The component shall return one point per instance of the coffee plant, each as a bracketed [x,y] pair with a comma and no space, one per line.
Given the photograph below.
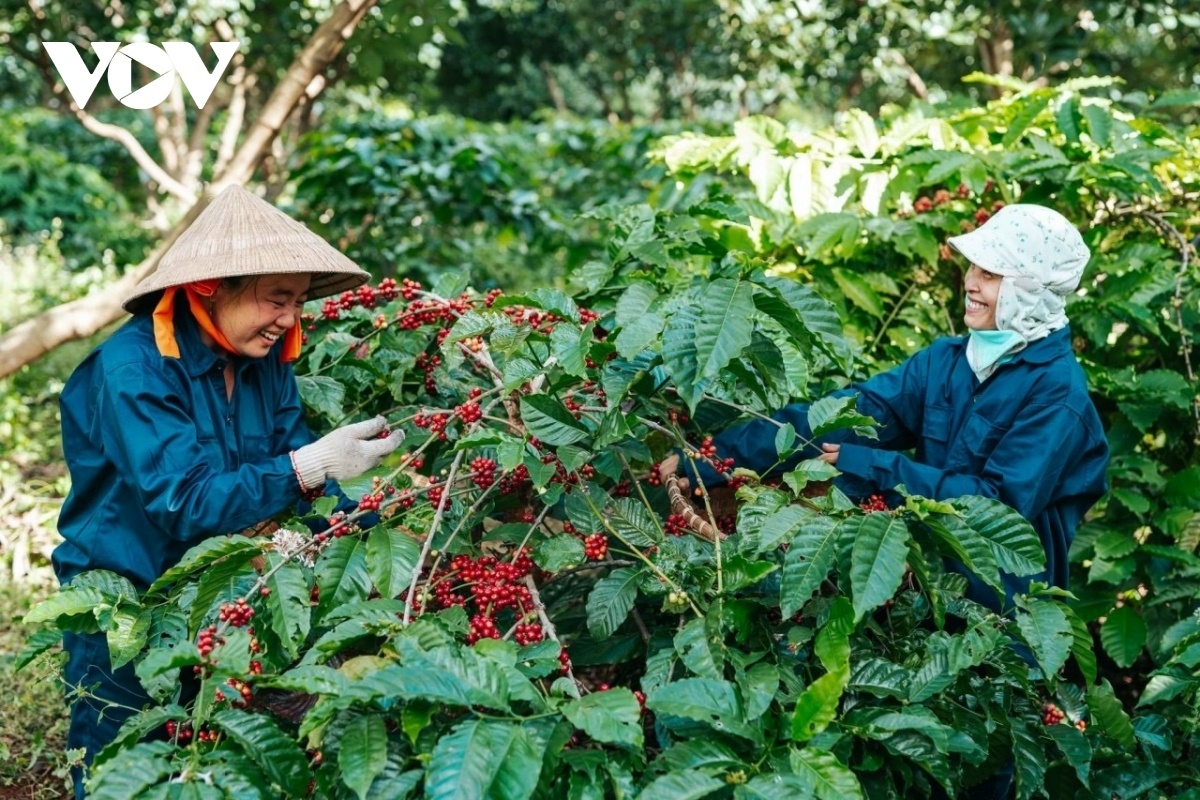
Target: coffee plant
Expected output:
[862,212]
[541,613]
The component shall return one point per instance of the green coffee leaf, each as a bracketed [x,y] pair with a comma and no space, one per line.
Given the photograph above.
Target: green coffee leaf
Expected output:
[1108,714]
[323,394]
[1046,630]
[312,679]
[362,753]
[276,753]
[287,603]
[612,717]
[126,636]
[1134,779]
[1030,757]
[639,334]
[392,555]
[814,470]
[877,558]
[695,648]
[67,602]
[880,677]
[817,705]
[810,556]
[342,576]
[220,581]
[153,719]
[483,758]
[611,600]
[1081,646]
[724,326]
[785,438]
[828,777]
[963,543]
[633,522]
[40,641]
[1075,747]
[825,233]
[570,346]
[837,413]
[681,356]
[686,785]
[858,291]
[714,703]
[1015,544]
[472,323]
[1123,635]
[550,421]
[558,553]
[635,302]
[132,772]
[741,573]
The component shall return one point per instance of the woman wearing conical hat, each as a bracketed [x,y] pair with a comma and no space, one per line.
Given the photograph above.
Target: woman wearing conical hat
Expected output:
[186,423]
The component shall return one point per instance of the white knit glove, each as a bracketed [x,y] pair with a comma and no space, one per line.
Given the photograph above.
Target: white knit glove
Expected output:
[346,452]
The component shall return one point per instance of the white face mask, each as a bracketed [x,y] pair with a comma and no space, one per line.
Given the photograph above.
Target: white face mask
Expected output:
[1026,311]
[987,350]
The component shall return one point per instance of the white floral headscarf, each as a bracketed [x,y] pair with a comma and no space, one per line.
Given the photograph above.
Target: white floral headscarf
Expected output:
[1039,255]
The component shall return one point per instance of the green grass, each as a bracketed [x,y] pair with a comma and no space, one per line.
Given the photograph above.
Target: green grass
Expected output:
[33,715]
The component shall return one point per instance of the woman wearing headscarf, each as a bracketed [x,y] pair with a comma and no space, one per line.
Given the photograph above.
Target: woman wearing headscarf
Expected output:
[186,423]
[1002,412]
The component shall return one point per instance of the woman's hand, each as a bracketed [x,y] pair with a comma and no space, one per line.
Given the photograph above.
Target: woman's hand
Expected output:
[346,452]
[830,456]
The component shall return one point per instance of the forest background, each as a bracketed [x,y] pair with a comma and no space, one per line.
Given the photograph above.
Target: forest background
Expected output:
[507,140]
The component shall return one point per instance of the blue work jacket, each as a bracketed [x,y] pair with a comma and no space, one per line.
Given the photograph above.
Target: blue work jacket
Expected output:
[1028,436]
[161,459]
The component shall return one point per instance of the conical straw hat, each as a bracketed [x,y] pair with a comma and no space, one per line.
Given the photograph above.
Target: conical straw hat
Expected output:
[241,234]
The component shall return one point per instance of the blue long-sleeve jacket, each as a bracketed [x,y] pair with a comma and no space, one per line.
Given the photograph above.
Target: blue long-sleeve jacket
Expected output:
[160,459]
[1028,436]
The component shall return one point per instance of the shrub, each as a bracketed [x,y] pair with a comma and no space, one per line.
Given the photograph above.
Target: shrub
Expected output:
[537,614]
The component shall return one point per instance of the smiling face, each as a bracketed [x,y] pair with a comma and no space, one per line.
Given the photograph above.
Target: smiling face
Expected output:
[983,288]
[253,316]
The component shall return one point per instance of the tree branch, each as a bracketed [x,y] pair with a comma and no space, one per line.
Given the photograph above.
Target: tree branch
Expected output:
[324,46]
[143,159]
[234,120]
[911,77]
[194,154]
[427,545]
[552,87]
[544,618]
[170,154]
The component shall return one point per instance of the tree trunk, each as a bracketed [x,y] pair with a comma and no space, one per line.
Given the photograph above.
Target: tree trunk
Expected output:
[685,84]
[916,84]
[555,91]
[593,80]
[852,91]
[626,112]
[79,318]
[996,50]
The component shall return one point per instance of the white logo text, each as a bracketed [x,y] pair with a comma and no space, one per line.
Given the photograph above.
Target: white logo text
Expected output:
[173,58]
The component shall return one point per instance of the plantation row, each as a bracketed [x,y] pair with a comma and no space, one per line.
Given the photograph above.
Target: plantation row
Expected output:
[539,612]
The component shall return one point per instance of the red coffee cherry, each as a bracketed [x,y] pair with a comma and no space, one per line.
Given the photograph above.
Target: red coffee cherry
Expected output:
[595,547]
